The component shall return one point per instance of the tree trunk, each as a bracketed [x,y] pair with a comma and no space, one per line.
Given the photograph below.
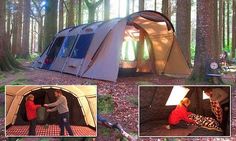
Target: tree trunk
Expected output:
[183,27]
[92,9]
[80,12]
[40,35]
[32,36]
[133,2]
[141,5]
[220,29]
[166,8]
[228,3]
[205,42]
[71,12]
[155,5]
[50,21]
[26,27]
[61,15]
[233,30]
[106,9]
[223,32]
[7,62]
[17,29]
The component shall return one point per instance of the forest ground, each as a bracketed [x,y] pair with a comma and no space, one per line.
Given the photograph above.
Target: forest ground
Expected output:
[124,93]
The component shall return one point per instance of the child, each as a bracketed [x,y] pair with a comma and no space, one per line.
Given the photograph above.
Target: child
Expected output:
[179,116]
[31,113]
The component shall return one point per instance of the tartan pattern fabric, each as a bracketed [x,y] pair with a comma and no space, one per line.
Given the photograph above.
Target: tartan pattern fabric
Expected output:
[205,122]
[217,110]
[52,130]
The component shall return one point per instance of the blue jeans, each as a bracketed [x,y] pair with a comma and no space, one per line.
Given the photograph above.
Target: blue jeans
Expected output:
[65,123]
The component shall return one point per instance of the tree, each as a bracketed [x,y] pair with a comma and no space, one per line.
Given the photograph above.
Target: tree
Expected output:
[106,9]
[17,27]
[166,8]
[50,27]
[205,42]
[26,27]
[92,6]
[7,61]
[127,7]
[183,27]
[227,32]
[71,11]
[233,30]
[37,13]
[220,30]
[141,5]
[61,15]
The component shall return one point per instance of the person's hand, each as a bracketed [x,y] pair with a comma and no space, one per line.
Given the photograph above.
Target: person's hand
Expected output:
[48,110]
[45,105]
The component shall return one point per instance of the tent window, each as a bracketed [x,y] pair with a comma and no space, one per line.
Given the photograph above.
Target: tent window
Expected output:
[82,46]
[55,49]
[66,46]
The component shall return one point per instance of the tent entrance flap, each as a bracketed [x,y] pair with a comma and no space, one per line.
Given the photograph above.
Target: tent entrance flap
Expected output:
[64,52]
[53,52]
[135,52]
[78,53]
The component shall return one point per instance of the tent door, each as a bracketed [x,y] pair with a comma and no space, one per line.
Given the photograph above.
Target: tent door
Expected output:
[63,54]
[53,52]
[78,53]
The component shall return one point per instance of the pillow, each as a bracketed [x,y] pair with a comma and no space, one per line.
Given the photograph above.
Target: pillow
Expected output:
[205,122]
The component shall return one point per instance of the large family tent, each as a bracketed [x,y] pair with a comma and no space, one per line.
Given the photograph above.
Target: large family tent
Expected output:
[81,103]
[144,41]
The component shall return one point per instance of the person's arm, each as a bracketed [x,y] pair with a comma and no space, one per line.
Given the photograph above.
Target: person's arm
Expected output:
[54,104]
[32,106]
[185,117]
[52,110]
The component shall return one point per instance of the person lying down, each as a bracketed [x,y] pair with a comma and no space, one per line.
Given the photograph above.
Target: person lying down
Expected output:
[180,117]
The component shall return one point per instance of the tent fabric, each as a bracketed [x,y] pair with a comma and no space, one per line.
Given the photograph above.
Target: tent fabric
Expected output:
[15,97]
[96,51]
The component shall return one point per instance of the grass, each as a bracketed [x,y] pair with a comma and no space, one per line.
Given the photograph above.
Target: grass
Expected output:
[133,100]
[105,104]
[19,82]
[2,110]
[105,131]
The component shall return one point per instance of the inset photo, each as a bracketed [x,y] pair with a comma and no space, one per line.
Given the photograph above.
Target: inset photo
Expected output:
[184,111]
[51,111]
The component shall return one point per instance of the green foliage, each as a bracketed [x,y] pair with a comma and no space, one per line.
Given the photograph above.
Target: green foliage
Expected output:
[133,100]
[19,82]
[2,89]
[192,51]
[105,131]
[228,48]
[105,104]
[31,58]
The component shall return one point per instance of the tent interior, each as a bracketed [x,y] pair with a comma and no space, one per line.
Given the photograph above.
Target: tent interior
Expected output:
[44,96]
[153,101]
[140,43]
[81,101]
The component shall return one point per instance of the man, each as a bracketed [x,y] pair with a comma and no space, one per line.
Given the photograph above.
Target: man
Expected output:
[217,98]
[61,106]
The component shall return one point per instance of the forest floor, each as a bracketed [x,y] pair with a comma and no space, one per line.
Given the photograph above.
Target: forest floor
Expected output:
[123,93]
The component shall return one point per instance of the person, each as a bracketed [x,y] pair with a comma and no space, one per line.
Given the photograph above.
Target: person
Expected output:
[61,106]
[178,118]
[217,98]
[31,112]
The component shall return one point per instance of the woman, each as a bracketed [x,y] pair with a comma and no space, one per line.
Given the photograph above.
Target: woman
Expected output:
[179,116]
[31,109]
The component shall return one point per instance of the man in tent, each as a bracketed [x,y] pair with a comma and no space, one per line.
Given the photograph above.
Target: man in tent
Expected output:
[61,106]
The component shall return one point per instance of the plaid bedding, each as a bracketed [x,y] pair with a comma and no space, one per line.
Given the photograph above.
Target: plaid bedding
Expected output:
[52,130]
[205,122]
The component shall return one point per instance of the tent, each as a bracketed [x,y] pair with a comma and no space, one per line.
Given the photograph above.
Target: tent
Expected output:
[154,100]
[144,42]
[81,102]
